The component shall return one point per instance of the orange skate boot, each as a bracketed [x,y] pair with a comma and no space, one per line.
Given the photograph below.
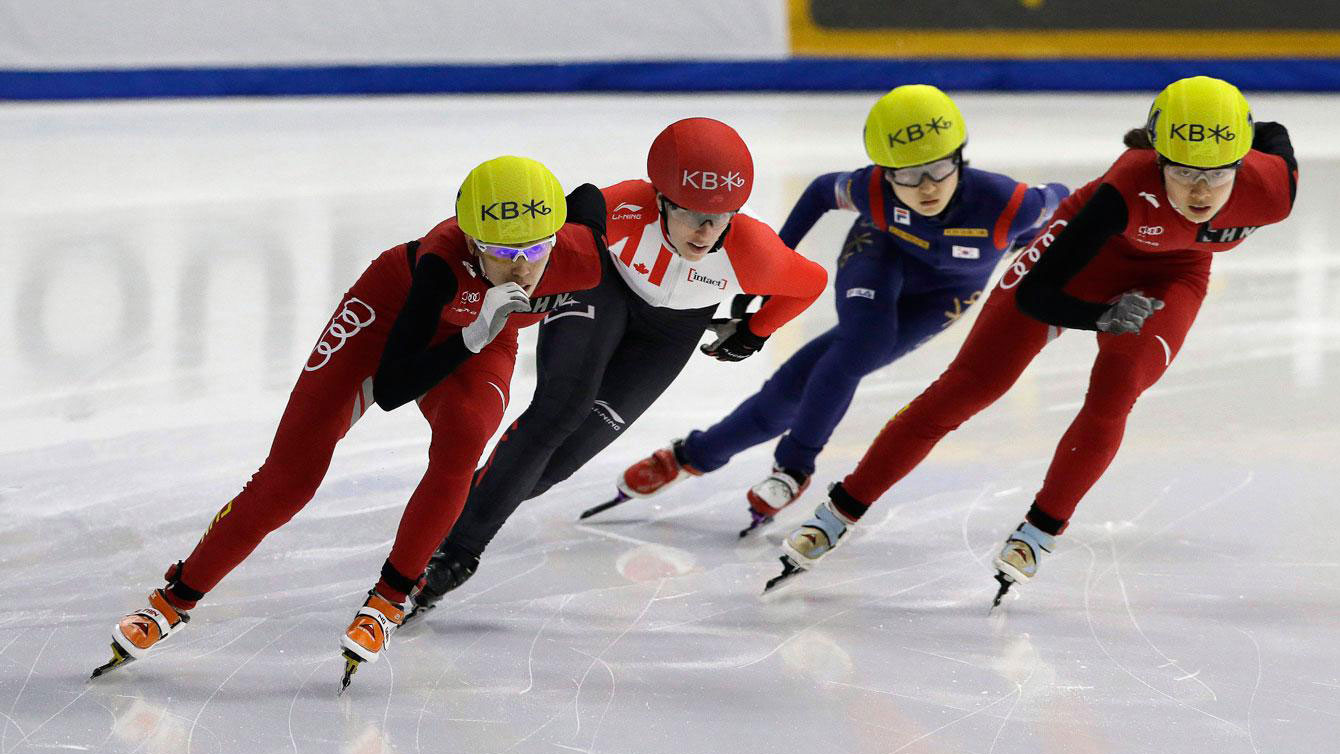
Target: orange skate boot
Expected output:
[369,634]
[140,631]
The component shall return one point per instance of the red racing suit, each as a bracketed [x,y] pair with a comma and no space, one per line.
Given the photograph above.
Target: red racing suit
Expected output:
[335,388]
[1156,251]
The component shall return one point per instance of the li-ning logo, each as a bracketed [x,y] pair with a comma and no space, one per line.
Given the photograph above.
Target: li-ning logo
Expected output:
[711,181]
[1024,261]
[347,322]
[513,210]
[608,415]
[634,212]
[1154,200]
[697,277]
[919,131]
[1200,132]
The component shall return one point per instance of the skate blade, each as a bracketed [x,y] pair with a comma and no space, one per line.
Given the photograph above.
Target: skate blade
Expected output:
[757,522]
[415,615]
[351,664]
[789,571]
[619,499]
[119,658]
[1005,583]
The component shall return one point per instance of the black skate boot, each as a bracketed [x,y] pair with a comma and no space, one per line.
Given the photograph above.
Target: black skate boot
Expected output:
[451,566]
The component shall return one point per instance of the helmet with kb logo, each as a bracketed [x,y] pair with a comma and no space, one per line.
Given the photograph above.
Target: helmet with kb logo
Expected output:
[702,165]
[913,125]
[1202,122]
[510,201]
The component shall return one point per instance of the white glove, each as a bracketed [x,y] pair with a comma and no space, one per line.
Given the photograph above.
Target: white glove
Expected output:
[499,301]
[1128,315]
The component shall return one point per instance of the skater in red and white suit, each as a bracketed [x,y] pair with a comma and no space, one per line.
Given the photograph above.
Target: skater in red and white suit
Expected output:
[1128,256]
[433,321]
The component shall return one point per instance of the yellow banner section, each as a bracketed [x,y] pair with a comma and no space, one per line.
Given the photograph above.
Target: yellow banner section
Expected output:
[809,38]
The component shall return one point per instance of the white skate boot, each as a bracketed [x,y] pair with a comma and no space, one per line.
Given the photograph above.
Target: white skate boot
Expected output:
[781,488]
[1018,560]
[811,542]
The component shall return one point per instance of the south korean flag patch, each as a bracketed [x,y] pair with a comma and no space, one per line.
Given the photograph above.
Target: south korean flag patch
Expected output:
[902,216]
[966,252]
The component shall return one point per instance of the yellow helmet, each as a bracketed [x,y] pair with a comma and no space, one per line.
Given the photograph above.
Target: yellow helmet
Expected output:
[1201,122]
[510,200]
[912,125]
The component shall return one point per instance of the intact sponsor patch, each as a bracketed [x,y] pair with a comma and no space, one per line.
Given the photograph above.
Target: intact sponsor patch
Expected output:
[695,276]
[966,252]
[861,293]
[902,216]
[968,232]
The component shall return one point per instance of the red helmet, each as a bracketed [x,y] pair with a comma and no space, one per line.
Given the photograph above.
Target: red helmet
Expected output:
[701,164]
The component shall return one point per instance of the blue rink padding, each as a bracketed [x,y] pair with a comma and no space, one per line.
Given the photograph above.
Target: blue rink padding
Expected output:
[791,75]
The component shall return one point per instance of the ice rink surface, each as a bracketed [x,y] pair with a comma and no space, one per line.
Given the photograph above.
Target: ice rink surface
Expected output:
[167,266]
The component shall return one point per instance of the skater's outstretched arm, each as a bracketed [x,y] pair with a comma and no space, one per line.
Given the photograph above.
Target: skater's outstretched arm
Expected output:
[823,194]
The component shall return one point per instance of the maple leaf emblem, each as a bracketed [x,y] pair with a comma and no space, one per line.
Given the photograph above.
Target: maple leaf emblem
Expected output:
[641,268]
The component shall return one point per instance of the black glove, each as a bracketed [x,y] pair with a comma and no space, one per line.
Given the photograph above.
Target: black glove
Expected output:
[734,340]
[1128,315]
[586,205]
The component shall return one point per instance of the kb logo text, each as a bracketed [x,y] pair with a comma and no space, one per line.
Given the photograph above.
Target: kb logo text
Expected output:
[918,131]
[1198,132]
[710,180]
[512,210]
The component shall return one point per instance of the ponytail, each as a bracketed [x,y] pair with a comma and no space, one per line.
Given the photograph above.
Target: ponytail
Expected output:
[1137,138]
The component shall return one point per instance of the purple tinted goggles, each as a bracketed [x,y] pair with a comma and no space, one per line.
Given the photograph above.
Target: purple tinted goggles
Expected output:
[531,253]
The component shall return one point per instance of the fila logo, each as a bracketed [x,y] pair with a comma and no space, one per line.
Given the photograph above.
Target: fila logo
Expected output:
[1151,230]
[1199,132]
[512,210]
[630,212]
[902,216]
[861,293]
[711,181]
[966,252]
[919,131]
[1154,200]
[347,322]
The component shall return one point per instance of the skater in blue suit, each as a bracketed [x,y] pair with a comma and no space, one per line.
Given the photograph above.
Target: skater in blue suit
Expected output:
[929,234]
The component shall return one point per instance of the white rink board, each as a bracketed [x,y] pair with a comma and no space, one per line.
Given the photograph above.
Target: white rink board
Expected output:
[83,34]
[168,265]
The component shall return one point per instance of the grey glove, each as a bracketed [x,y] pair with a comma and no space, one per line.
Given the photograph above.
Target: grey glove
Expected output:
[499,301]
[1128,315]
